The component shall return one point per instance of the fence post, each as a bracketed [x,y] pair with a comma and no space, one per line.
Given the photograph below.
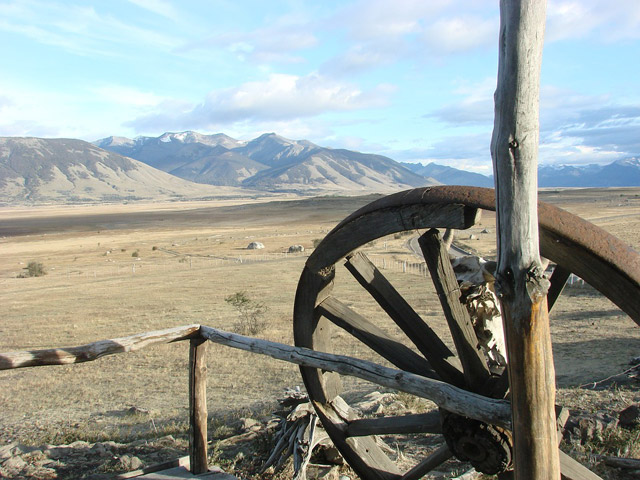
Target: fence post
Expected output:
[198,406]
[520,281]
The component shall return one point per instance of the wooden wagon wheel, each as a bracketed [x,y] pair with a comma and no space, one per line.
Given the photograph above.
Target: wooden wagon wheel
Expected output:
[576,246]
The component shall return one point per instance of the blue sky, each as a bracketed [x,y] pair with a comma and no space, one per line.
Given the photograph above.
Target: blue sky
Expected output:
[410,79]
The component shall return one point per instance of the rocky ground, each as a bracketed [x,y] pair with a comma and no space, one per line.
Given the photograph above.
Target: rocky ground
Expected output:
[602,428]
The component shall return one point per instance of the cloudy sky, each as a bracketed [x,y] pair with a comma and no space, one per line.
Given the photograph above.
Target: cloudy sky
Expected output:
[411,79]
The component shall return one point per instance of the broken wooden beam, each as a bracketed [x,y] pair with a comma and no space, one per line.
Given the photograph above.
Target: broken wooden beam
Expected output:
[446,396]
[93,351]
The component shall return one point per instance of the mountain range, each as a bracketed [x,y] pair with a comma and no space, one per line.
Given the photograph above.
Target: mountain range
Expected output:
[38,170]
[189,165]
[269,162]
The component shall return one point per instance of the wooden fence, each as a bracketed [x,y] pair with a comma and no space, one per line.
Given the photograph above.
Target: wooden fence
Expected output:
[446,396]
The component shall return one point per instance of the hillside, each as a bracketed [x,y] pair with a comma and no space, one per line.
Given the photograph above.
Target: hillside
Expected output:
[449,175]
[269,162]
[36,170]
[621,173]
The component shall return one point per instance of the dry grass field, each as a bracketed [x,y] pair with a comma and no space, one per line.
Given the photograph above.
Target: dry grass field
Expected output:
[119,270]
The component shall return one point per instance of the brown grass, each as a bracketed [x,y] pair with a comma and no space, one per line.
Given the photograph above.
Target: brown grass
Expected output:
[187,264]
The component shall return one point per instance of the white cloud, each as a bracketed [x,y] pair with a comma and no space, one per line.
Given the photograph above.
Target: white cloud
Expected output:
[361,57]
[271,44]
[461,34]
[159,7]
[386,19]
[574,128]
[80,30]
[476,107]
[279,98]
[124,95]
[466,151]
[388,31]
[601,20]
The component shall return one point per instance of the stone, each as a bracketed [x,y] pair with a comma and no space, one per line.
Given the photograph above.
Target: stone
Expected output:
[8,451]
[14,463]
[57,452]
[296,248]
[130,462]
[255,246]
[322,472]
[630,416]
[588,427]
[100,450]
[137,411]
[247,424]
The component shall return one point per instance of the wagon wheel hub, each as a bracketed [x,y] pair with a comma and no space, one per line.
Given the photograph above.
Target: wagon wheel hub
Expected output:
[574,245]
[487,447]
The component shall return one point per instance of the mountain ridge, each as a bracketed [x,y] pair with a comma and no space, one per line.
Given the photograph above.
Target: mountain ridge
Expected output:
[269,161]
[187,165]
[37,170]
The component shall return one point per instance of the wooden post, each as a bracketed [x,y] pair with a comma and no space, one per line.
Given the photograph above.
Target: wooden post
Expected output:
[520,277]
[198,406]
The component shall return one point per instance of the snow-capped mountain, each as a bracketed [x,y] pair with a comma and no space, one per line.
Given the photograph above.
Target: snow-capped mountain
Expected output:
[38,170]
[268,162]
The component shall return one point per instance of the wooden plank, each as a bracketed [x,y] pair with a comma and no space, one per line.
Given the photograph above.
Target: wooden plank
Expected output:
[415,423]
[198,406]
[443,360]
[375,338]
[181,473]
[446,396]
[573,470]
[474,363]
[520,279]
[95,350]
[558,280]
[313,331]
[369,225]
[433,461]
[363,453]
[158,467]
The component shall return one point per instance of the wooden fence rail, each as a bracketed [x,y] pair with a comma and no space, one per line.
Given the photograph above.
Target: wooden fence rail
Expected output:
[444,395]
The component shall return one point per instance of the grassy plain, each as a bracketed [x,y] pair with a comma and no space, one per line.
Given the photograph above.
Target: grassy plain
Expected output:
[118,270]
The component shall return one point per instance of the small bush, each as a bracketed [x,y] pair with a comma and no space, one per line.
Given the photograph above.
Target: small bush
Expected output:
[316,242]
[154,248]
[33,269]
[135,254]
[251,319]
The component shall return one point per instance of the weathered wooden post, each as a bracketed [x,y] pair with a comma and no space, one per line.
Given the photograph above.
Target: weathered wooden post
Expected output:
[520,277]
[198,406]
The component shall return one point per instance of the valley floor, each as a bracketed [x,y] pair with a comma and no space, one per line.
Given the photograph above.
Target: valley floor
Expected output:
[119,270]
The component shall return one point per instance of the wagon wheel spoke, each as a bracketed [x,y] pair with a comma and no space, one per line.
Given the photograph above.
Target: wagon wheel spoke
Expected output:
[558,280]
[375,338]
[474,364]
[441,359]
[433,461]
[612,270]
[415,423]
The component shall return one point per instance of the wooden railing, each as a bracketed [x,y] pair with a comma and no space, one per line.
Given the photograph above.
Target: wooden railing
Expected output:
[446,396]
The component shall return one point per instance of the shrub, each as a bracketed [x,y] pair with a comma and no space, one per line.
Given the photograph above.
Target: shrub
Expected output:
[316,242]
[135,254]
[33,269]
[251,319]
